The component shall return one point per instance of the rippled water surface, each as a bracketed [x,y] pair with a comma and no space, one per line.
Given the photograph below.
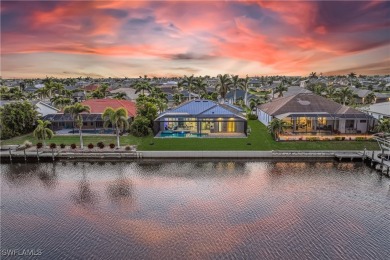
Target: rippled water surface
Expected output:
[196,210]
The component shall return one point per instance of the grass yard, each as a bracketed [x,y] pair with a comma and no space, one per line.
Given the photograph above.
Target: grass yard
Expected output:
[260,140]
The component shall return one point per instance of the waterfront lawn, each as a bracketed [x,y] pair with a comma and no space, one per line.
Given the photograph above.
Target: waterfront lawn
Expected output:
[259,140]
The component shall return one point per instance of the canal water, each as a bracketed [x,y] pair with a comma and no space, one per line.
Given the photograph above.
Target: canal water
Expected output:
[188,209]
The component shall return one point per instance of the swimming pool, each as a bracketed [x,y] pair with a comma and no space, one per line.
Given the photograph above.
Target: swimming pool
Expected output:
[180,134]
[93,131]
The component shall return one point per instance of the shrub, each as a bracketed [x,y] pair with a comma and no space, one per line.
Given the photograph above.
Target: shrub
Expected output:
[312,139]
[100,145]
[326,139]
[62,146]
[53,146]
[128,148]
[140,127]
[252,117]
[27,144]
[337,138]
[360,138]
[343,138]
[90,145]
[39,145]
[112,146]
[73,146]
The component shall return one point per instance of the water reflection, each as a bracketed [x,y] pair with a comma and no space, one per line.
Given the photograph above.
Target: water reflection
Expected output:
[84,195]
[200,209]
[24,174]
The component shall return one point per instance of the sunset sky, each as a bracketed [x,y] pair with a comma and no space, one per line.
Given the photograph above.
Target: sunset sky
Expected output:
[175,38]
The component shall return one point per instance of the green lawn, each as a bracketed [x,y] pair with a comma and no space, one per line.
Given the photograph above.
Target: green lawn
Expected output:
[258,140]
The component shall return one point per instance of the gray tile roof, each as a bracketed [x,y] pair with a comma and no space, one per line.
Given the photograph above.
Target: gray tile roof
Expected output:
[204,108]
[306,103]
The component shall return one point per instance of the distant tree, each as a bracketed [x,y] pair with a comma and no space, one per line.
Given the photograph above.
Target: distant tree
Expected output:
[235,84]
[223,85]
[200,85]
[370,98]
[280,89]
[120,95]
[188,83]
[43,132]
[344,95]
[244,85]
[177,98]
[313,75]
[142,86]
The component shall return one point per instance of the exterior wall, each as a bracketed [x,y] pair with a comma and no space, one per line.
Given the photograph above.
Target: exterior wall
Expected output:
[361,126]
[263,117]
[341,125]
[44,110]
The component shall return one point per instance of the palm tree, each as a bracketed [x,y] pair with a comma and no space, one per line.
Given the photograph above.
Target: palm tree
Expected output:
[120,95]
[104,89]
[344,95]
[330,92]
[318,89]
[142,86]
[177,98]
[370,98]
[352,77]
[383,125]
[60,102]
[75,112]
[275,127]
[235,84]
[313,75]
[223,85]
[244,85]
[117,118]
[188,82]
[280,89]
[42,132]
[200,85]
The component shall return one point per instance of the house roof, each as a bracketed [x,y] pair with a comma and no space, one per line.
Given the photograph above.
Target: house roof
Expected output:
[204,108]
[99,105]
[308,103]
[379,108]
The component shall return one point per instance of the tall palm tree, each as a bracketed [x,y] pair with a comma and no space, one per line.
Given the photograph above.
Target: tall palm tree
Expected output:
[280,89]
[75,112]
[177,97]
[118,118]
[60,102]
[223,85]
[200,85]
[104,89]
[244,85]
[351,76]
[275,127]
[188,82]
[42,132]
[370,98]
[235,84]
[344,95]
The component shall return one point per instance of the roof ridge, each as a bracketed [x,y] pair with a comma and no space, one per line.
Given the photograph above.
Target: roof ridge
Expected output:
[204,111]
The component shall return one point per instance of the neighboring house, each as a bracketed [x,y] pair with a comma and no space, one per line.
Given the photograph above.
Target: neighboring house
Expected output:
[307,113]
[93,120]
[44,108]
[201,117]
[240,94]
[378,111]
[41,107]
[361,94]
[291,91]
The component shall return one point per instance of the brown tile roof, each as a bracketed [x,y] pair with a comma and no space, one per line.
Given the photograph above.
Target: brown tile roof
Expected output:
[305,103]
[99,105]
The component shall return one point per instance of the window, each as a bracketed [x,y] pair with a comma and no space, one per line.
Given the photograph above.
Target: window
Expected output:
[363,121]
